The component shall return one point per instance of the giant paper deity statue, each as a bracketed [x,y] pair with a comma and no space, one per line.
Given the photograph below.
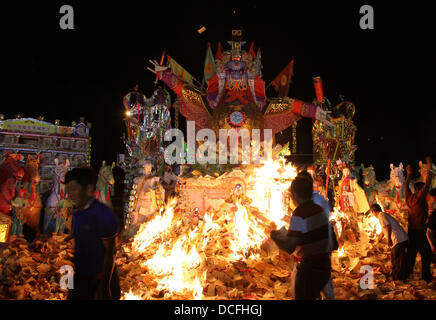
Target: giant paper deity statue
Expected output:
[235,95]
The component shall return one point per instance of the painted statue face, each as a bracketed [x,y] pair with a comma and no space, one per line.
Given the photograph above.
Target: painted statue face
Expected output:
[106,172]
[148,168]
[236,69]
[368,176]
[60,170]
[397,176]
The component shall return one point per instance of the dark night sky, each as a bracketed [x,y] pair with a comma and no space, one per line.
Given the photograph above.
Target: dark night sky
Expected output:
[388,72]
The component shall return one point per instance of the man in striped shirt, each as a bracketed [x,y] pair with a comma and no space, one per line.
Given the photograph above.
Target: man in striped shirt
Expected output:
[308,239]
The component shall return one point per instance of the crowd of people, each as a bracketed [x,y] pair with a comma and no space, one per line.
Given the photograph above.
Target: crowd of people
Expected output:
[310,237]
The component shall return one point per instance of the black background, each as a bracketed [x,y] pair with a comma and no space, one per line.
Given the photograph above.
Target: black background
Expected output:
[388,72]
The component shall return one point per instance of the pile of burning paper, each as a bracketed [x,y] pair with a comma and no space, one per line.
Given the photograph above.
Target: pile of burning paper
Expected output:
[222,253]
[227,254]
[222,256]
[32,271]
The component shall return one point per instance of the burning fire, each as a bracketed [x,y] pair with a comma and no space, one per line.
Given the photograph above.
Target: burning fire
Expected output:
[372,226]
[130,296]
[177,251]
[247,235]
[176,255]
[269,185]
[338,217]
[153,229]
[178,266]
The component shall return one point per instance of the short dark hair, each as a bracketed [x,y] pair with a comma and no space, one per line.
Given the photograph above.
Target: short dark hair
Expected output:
[432,192]
[306,175]
[302,187]
[83,176]
[376,208]
[418,185]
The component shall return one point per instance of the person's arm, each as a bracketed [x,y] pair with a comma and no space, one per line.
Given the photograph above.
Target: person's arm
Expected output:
[423,192]
[386,227]
[108,267]
[109,238]
[388,231]
[380,237]
[283,241]
[431,236]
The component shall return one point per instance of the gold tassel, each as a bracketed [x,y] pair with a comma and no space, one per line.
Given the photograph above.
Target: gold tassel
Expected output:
[294,137]
[176,114]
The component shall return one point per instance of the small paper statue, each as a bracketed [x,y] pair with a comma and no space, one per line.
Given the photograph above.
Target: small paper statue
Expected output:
[238,196]
[150,193]
[63,215]
[18,205]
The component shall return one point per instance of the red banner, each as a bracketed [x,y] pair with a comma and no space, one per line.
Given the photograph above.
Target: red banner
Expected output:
[283,80]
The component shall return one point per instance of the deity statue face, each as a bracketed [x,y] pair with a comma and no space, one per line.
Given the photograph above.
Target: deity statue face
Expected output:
[236,69]
[345,172]
[147,168]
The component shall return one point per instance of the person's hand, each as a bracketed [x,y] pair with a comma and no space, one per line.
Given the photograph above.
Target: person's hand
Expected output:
[409,169]
[156,67]
[274,234]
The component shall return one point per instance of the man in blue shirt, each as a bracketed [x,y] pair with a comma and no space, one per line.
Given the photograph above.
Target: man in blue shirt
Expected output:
[95,231]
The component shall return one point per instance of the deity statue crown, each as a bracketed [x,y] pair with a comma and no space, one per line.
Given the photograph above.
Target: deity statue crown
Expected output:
[237,59]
